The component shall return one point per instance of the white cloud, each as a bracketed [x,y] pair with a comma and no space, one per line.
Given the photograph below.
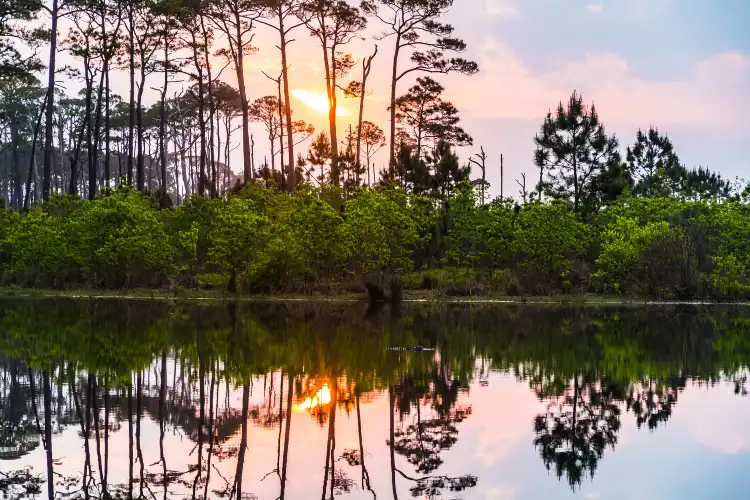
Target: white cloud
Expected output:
[595,7]
[502,8]
[713,94]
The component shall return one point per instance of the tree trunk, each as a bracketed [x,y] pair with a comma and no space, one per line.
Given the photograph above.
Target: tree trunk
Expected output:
[47,168]
[163,117]
[131,111]
[292,180]
[394,76]
[244,104]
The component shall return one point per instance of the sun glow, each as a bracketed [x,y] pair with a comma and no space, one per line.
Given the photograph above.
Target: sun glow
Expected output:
[321,398]
[317,102]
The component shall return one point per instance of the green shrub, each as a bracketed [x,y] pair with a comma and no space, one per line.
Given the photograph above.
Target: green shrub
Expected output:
[212,281]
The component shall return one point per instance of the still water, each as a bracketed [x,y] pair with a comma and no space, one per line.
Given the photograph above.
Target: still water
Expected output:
[169,400]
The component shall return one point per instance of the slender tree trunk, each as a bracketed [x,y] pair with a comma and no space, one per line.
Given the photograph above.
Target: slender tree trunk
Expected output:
[330,74]
[48,152]
[392,145]
[281,138]
[244,104]
[32,163]
[141,165]
[292,180]
[131,113]
[366,67]
[94,153]
[163,116]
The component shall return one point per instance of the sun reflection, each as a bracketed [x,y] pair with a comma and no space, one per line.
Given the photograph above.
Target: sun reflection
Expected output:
[321,398]
[317,102]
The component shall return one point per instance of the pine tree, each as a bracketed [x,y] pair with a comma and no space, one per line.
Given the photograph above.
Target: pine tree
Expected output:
[573,149]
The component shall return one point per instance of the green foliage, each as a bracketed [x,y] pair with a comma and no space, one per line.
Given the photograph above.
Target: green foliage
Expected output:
[120,239]
[238,236]
[36,247]
[549,243]
[379,233]
[626,253]
[260,240]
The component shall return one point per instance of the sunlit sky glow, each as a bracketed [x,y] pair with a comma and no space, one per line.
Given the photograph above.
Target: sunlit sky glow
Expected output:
[681,65]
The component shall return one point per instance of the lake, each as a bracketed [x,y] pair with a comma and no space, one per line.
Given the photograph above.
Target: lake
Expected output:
[170,400]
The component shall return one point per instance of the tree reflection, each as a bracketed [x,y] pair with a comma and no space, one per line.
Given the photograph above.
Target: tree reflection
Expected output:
[652,401]
[424,439]
[578,427]
[91,367]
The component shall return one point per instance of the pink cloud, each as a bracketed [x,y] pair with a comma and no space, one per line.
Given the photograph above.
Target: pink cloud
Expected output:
[713,94]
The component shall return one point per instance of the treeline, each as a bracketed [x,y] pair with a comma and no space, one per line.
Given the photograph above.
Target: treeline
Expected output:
[383,240]
[107,192]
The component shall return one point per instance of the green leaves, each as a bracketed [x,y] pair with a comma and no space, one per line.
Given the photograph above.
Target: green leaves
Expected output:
[379,232]
[238,234]
[549,240]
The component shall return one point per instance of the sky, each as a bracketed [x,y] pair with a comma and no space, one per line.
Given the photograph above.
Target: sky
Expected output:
[680,65]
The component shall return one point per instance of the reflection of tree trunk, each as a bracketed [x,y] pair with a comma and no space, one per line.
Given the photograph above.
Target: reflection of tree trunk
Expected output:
[243,441]
[94,399]
[130,439]
[106,436]
[84,431]
[575,408]
[281,412]
[48,434]
[211,411]
[201,416]
[331,443]
[139,399]
[365,475]
[162,397]
[391,441]
[290,395]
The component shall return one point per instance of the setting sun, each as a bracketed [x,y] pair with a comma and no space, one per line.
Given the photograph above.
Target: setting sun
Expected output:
[317,102]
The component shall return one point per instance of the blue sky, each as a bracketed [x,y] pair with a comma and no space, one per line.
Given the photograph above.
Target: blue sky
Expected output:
[681,65]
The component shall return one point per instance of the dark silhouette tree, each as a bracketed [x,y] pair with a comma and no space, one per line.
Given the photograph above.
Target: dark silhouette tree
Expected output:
[335,24]
[236,20]
[373,139]
[425,118]
[650,153]
[319,154]
[418,33]
[573,149]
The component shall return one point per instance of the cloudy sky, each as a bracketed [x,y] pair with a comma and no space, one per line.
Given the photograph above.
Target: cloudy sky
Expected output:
[681,65]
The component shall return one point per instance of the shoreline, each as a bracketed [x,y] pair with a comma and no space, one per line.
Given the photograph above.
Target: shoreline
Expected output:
[409,297]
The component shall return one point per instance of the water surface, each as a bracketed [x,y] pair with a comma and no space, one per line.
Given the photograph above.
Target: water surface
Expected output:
[161,400]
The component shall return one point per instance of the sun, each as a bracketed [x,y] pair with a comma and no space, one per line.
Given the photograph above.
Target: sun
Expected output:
[317,102]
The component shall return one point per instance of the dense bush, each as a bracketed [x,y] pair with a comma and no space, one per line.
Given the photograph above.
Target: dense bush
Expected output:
[383,240]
